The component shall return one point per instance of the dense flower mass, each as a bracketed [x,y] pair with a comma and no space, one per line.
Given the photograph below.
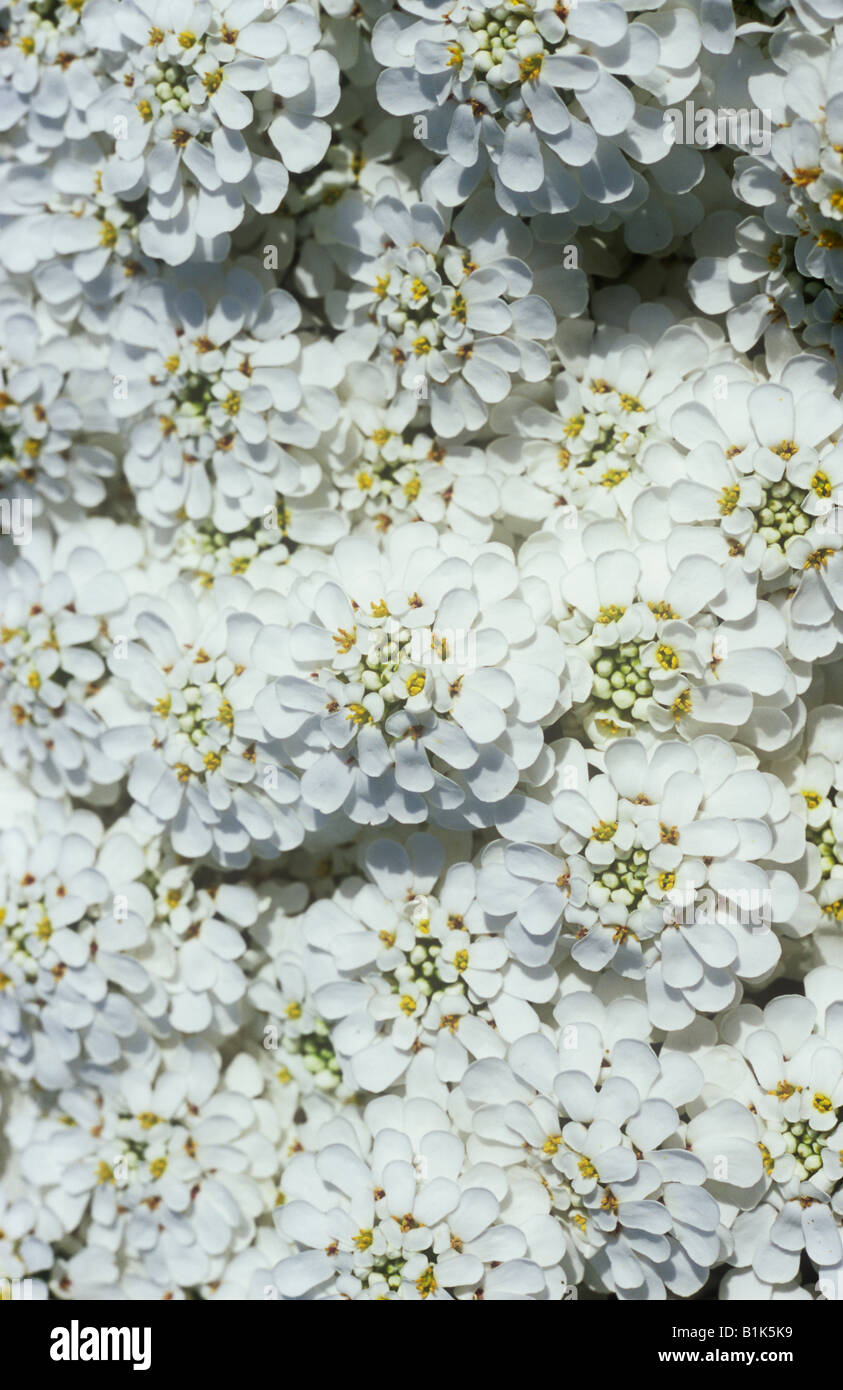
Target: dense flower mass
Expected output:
[421,626]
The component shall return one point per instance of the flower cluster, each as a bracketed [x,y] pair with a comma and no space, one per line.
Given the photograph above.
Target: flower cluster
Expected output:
[421,626]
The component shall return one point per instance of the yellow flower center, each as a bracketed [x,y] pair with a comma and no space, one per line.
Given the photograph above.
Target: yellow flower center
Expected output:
[666,657]
[681,705]
[358,714]
[610,613]
[426,1283]
[818,559]
[729,499]
[785,449]
[530,67]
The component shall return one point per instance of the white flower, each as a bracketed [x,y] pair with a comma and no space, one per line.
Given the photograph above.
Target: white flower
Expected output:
[421,723]
[387,471]
[74,922]
[798,186]
[401,659]
[22,1252]
[489,83]
[53,603]
[406,963]
[194,768]
[649,647]
[533,890]
[399,1215]
[48,398]
[45,100]
[80,242]
[661,834]
[601,1129]
[453,305]
[582,447]
[178,122]
[174,1187]
[780,469]
[224,416]
[754,285]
